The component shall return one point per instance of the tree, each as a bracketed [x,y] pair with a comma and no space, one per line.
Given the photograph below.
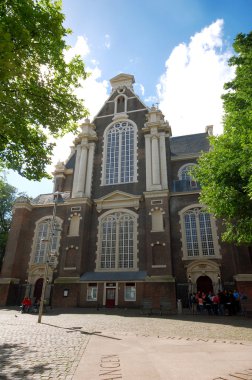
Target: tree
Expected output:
[8,195]
[225,172]
[37,100]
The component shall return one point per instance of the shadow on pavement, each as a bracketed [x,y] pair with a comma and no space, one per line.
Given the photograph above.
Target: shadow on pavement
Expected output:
[12,357]
[79,329]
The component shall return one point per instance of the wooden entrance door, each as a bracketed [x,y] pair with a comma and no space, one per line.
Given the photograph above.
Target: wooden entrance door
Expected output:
[38,289]
[204,284]
[110,297]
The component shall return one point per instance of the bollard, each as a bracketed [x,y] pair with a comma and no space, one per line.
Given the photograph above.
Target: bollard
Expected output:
[179,306]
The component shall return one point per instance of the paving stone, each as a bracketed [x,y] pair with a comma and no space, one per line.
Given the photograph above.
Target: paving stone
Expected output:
[54,348]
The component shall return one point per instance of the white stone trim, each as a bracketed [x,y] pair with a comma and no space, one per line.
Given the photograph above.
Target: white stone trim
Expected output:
[122,80]
[82,170]
[117,199]
[156,130]
[157,219]
[155,160]
[184,193]
[36,271]
[9,280]
[76,170]
[203,267]
[163,161]
[161,278]
[120,95]
[120,116]
[111,115]
[156,194]
[67,280]
[185,157]
[74,227]
[148,161]
[84,160]
[243,277]
[90,169]
[78,201]
[25,204]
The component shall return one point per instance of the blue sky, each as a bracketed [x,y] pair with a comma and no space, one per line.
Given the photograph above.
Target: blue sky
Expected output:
[177,51]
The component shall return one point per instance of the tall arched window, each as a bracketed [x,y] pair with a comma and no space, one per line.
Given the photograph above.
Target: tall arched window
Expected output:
[185,174]
[121,104]
[117,246]
[47,236]
[120,148]
[199,234]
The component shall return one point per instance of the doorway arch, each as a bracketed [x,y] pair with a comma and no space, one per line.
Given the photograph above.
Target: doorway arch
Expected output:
[203,274]
[204,284]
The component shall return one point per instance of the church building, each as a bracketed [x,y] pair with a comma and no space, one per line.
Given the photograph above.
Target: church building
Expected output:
[123,223]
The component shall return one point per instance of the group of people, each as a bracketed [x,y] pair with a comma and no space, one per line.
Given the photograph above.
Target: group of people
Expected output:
[225,302]
[27,306]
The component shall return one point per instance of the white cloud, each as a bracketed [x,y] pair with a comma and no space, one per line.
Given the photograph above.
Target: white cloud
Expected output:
[151,100]
[139,88]
[81,48]
[94,62]
[107,42]
[93,91]
[191,87]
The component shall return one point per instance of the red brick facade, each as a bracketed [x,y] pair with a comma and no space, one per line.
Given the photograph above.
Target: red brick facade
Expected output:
[153,202]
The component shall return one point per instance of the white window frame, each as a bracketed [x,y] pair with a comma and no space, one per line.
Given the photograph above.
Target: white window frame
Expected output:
[115,243]
[92,292]
[216,246]
[133,289]
[183,175]
[104,181]
[125,103]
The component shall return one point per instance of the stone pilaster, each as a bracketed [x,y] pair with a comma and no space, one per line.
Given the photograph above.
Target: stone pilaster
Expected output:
[156,130]
[85,145]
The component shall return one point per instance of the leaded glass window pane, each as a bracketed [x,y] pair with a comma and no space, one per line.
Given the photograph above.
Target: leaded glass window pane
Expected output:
[108,243]
[126,242]
[198,233]
[117,248]
[206,234]
[191,234]
[41,244]
[47,240]
[185,173]
[120,154]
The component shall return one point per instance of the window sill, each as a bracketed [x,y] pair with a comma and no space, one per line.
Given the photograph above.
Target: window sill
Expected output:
[129,300]
[201,257]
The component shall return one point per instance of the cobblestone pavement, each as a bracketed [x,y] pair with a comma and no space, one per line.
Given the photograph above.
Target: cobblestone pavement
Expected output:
[53,349]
